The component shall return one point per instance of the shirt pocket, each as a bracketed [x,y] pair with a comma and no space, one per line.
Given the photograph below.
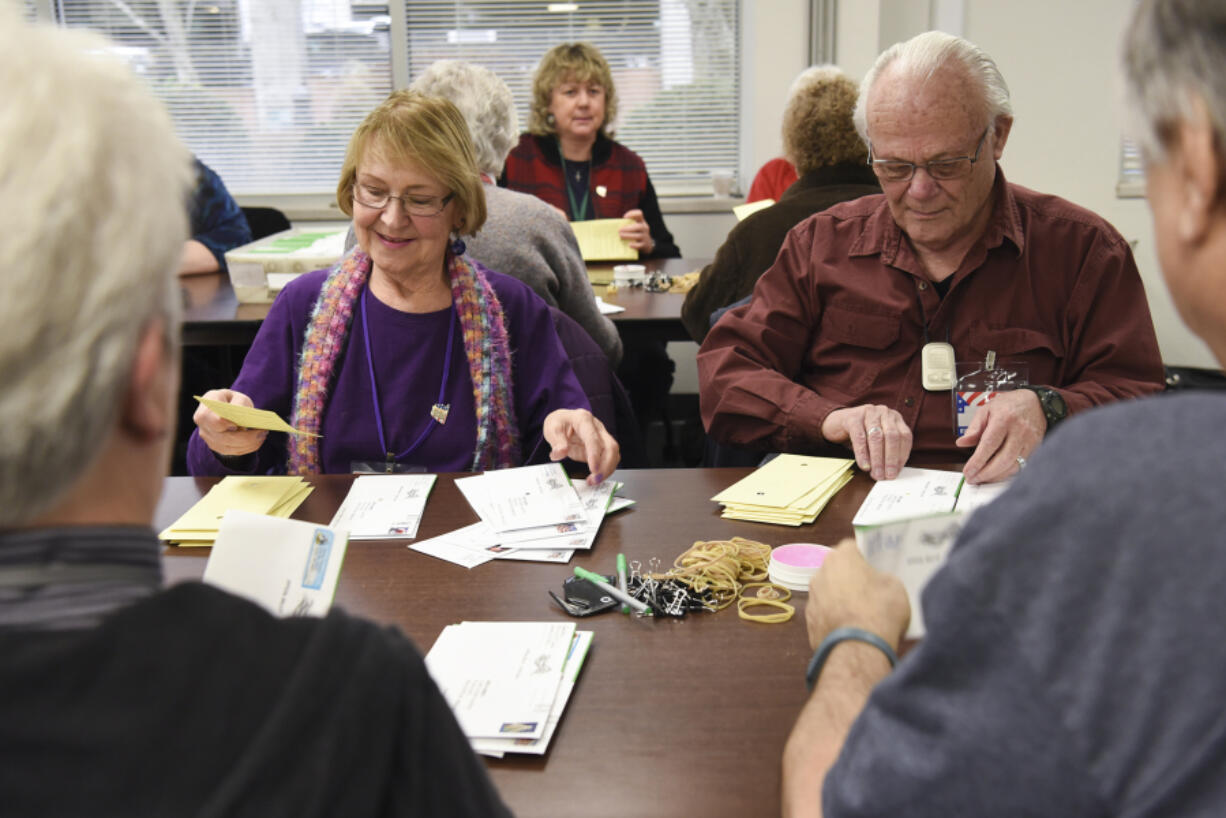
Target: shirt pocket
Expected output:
[1042,352]
[852,347]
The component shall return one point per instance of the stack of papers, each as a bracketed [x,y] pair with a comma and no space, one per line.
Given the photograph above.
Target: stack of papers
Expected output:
[531,513]
[288,567]
[508,682]
[906,526]
[274,496]
[790,490]
[384,506]
[921,493]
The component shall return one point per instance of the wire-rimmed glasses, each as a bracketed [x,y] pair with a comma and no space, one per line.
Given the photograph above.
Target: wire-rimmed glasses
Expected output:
[414,204]
[942,170]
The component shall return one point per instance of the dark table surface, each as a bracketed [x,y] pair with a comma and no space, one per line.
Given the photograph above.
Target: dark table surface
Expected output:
[669,717]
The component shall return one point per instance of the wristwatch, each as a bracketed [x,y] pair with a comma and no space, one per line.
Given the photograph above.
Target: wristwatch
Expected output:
[1052,403]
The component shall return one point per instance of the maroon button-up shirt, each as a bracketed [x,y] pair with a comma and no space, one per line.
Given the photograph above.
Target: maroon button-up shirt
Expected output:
[839,321]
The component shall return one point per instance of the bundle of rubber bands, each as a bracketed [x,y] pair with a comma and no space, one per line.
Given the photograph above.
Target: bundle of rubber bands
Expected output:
[717,573]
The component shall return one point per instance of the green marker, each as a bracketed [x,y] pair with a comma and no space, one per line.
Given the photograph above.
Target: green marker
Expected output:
[598,581]
[622,584]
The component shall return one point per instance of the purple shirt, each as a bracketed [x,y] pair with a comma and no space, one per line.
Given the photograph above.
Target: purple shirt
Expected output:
[409,350]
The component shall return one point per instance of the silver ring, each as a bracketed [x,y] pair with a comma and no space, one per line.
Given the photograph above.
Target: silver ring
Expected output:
[876,430]
[1021,463]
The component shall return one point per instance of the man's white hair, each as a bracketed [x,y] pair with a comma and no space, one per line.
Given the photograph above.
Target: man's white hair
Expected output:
[484,100]
[93,194]
[922,55]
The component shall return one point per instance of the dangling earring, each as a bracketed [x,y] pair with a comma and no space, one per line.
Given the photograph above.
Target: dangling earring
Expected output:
[457,246]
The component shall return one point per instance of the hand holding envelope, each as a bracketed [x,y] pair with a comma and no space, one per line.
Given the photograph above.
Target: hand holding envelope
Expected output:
[231,425]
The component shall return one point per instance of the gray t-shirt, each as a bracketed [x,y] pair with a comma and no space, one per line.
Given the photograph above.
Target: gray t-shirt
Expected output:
[1074,663]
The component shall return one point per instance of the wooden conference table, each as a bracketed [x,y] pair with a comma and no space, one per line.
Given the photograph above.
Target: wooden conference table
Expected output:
[669,717]
[212,315]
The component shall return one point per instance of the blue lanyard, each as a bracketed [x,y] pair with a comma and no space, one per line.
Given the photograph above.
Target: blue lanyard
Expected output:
[437,413]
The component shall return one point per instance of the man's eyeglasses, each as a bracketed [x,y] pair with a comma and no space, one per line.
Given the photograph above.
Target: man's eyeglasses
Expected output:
[413,204]
[943,170]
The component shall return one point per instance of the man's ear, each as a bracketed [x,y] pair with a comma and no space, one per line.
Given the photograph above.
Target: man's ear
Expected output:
[1004,124]
[1199,168]
[148,406]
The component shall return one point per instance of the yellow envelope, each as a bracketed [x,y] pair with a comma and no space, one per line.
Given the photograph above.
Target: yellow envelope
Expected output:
[274,495]
[783,481]
[743,210]
[599,241]
[250,418]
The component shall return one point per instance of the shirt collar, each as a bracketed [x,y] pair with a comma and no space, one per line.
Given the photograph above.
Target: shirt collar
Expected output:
[844,173]
[601,151]
[73,577]
[882,236]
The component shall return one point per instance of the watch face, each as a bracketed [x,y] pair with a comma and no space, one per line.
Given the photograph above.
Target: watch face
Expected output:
[1053,405]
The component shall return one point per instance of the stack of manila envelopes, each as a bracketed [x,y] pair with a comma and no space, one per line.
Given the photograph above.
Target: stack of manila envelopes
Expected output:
[275,496]
[790,490]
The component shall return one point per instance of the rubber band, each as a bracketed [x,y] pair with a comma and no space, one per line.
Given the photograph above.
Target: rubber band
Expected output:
[745,603]
[724,570]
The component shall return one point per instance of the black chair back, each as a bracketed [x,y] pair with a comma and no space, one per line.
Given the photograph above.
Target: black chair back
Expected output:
[264,221]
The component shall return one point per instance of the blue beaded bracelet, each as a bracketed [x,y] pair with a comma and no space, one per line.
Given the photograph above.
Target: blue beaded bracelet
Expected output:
[842,635]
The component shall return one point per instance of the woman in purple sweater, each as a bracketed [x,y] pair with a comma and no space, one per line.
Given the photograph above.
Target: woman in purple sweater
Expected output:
[407,355]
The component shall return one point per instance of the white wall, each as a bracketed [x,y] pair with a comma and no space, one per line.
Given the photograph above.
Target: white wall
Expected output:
[1061,62]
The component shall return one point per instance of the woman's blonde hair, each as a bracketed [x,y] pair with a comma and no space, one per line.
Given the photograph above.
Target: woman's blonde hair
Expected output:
[570,62]
[429,132]
[817,123]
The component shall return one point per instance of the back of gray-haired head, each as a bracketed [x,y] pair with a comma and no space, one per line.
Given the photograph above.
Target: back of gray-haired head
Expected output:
[93,188]
[484,100]
[922,55]
[1174,52]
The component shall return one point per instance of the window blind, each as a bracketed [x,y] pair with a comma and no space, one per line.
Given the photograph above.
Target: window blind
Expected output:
[267,92]
[1132,170]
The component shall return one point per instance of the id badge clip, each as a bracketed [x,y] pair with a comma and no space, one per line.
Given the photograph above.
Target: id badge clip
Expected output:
[980,383]
[388,466]
[937,366]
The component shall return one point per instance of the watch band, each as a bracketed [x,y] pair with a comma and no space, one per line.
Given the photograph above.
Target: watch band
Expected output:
[843,635]
[1052,403]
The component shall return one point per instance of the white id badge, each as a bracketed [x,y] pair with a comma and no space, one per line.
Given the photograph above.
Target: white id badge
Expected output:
[937,361]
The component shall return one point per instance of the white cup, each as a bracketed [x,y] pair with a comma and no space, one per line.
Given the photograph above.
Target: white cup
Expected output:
[721,182]
[626,274]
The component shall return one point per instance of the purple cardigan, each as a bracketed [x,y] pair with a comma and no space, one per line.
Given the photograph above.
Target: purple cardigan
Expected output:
[409,350]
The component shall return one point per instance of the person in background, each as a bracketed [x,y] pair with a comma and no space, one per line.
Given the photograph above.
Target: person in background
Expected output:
[772,179]
[569,159]
[1073,661]
[522,236]
[217,225]
[820,138]
[119,696]
[407,355]
[851,338]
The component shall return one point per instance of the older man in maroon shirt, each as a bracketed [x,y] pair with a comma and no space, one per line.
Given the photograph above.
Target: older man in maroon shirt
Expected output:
[847,341]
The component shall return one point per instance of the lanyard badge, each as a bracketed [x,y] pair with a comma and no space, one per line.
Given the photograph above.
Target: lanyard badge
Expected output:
[980,382]
[937,366]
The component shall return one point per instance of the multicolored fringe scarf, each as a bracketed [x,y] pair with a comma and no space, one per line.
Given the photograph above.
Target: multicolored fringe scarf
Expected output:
[486,345]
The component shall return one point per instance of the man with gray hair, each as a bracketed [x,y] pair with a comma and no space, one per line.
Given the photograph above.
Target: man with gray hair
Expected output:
[118,697]
[1073,661]
[856,337]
